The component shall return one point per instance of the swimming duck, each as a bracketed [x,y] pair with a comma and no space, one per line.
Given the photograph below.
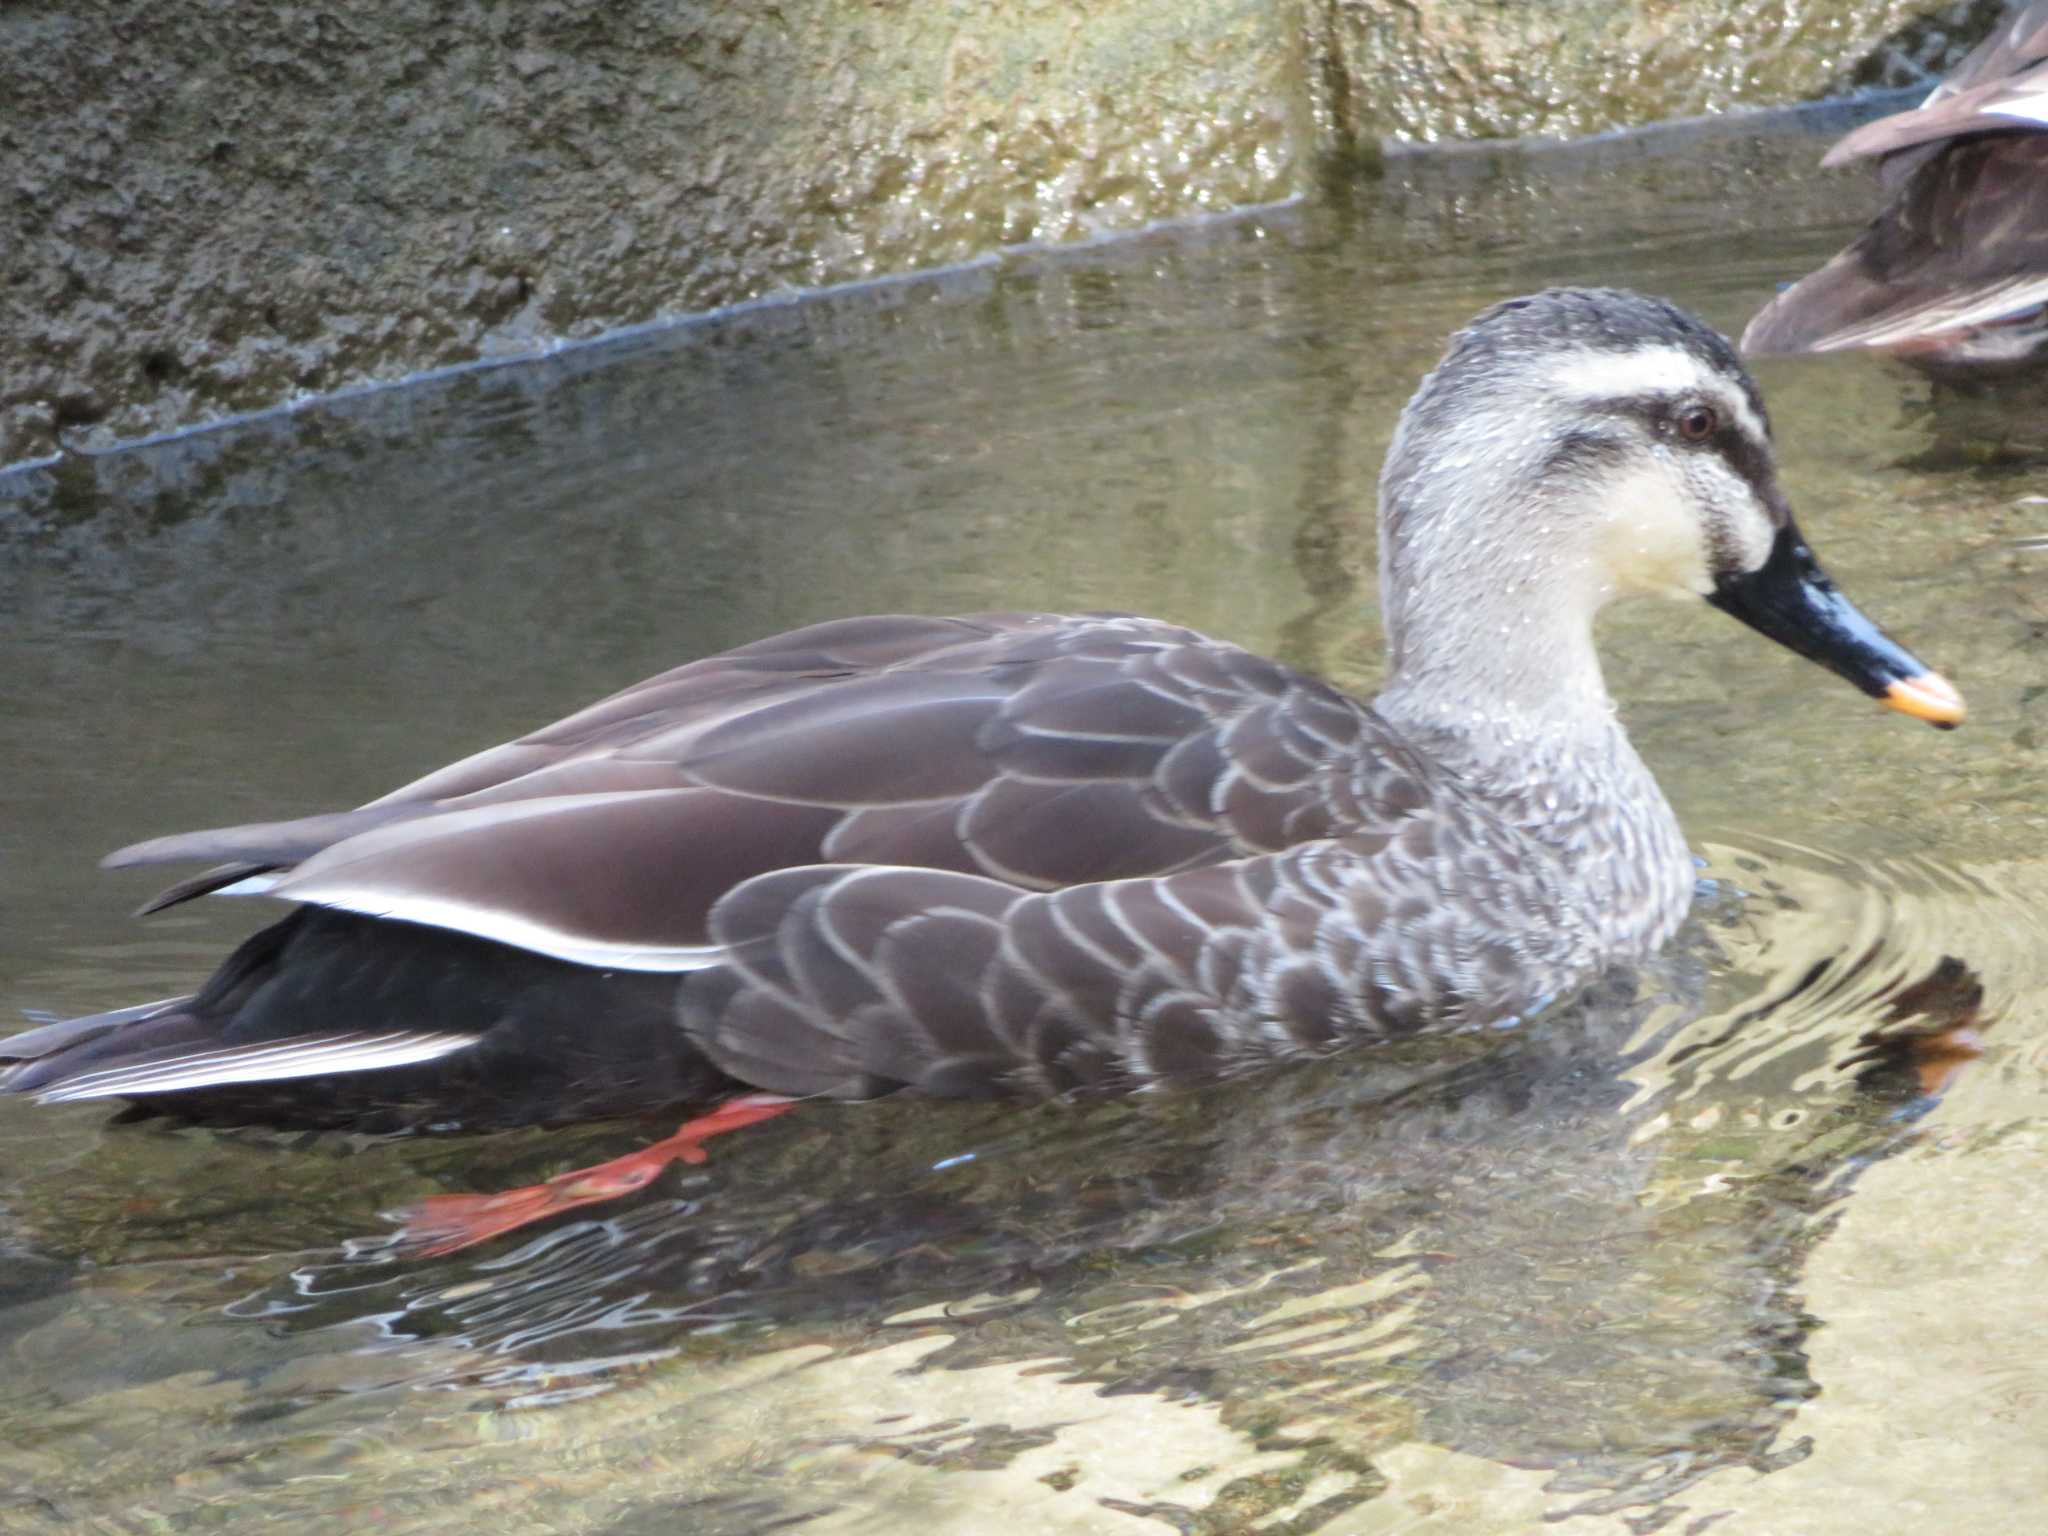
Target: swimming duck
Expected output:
[1033,855]
[1953,275]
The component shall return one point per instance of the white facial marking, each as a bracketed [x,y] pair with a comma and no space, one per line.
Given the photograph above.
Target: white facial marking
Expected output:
[1742,524]
[1592,378]
[1676,513]
[1650,534]
[1656,369]
[1669,524]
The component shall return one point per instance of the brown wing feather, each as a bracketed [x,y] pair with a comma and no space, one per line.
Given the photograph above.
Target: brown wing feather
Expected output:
[1038,750]
[577,876]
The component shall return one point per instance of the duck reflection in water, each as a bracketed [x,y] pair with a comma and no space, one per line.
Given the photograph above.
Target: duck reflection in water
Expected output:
[1575,1247]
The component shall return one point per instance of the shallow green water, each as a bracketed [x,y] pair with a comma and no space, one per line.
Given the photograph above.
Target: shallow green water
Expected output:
[1689,1249]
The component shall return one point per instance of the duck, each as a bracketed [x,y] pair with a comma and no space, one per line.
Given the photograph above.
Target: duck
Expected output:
[1952,276]
[1031,856]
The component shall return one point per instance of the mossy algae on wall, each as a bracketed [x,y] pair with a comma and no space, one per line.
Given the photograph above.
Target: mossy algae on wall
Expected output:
[211,206]
[214,205]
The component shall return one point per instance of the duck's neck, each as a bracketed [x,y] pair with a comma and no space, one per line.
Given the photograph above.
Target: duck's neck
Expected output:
[1521,714]
[1495,663]
[1490,579]
[1539,742]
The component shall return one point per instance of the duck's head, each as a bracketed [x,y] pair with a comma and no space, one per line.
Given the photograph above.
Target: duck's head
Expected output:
[1583,444]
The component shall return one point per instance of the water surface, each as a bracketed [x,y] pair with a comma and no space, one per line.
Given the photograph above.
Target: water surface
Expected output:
[1744,1240]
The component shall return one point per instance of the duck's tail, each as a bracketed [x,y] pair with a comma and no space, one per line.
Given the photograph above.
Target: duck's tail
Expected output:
[34,1058]
[173,1046]
[333,1019]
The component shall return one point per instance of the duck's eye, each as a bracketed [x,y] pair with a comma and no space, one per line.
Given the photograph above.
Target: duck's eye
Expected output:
[1697,423]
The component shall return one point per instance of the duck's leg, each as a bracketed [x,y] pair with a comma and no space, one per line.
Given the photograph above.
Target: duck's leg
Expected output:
[444,1223]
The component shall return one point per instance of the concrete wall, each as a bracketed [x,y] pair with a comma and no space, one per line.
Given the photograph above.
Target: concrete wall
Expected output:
[1466,69]
[210,206]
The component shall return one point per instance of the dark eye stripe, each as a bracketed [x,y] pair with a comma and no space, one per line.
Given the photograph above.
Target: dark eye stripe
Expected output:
[1746,456]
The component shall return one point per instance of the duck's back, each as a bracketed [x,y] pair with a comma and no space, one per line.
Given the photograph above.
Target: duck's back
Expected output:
[1040,750]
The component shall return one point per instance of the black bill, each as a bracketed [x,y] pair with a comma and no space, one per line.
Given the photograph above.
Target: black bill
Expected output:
[1790,598]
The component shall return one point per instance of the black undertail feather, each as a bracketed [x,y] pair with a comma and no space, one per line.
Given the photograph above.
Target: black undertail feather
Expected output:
[555,1042]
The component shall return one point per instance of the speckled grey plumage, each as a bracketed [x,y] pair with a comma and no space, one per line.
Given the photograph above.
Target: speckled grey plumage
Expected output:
[1320,882]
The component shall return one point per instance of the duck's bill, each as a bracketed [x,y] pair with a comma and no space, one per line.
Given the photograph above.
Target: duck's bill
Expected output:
[1790,598]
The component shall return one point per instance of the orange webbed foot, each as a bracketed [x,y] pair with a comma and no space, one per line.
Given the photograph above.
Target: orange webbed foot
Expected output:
[442,1224]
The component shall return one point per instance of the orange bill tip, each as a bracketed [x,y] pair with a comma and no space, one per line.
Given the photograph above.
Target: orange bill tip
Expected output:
[1930,697]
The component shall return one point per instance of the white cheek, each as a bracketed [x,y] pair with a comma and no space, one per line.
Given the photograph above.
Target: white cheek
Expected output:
[1650,537]
[1749,529]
